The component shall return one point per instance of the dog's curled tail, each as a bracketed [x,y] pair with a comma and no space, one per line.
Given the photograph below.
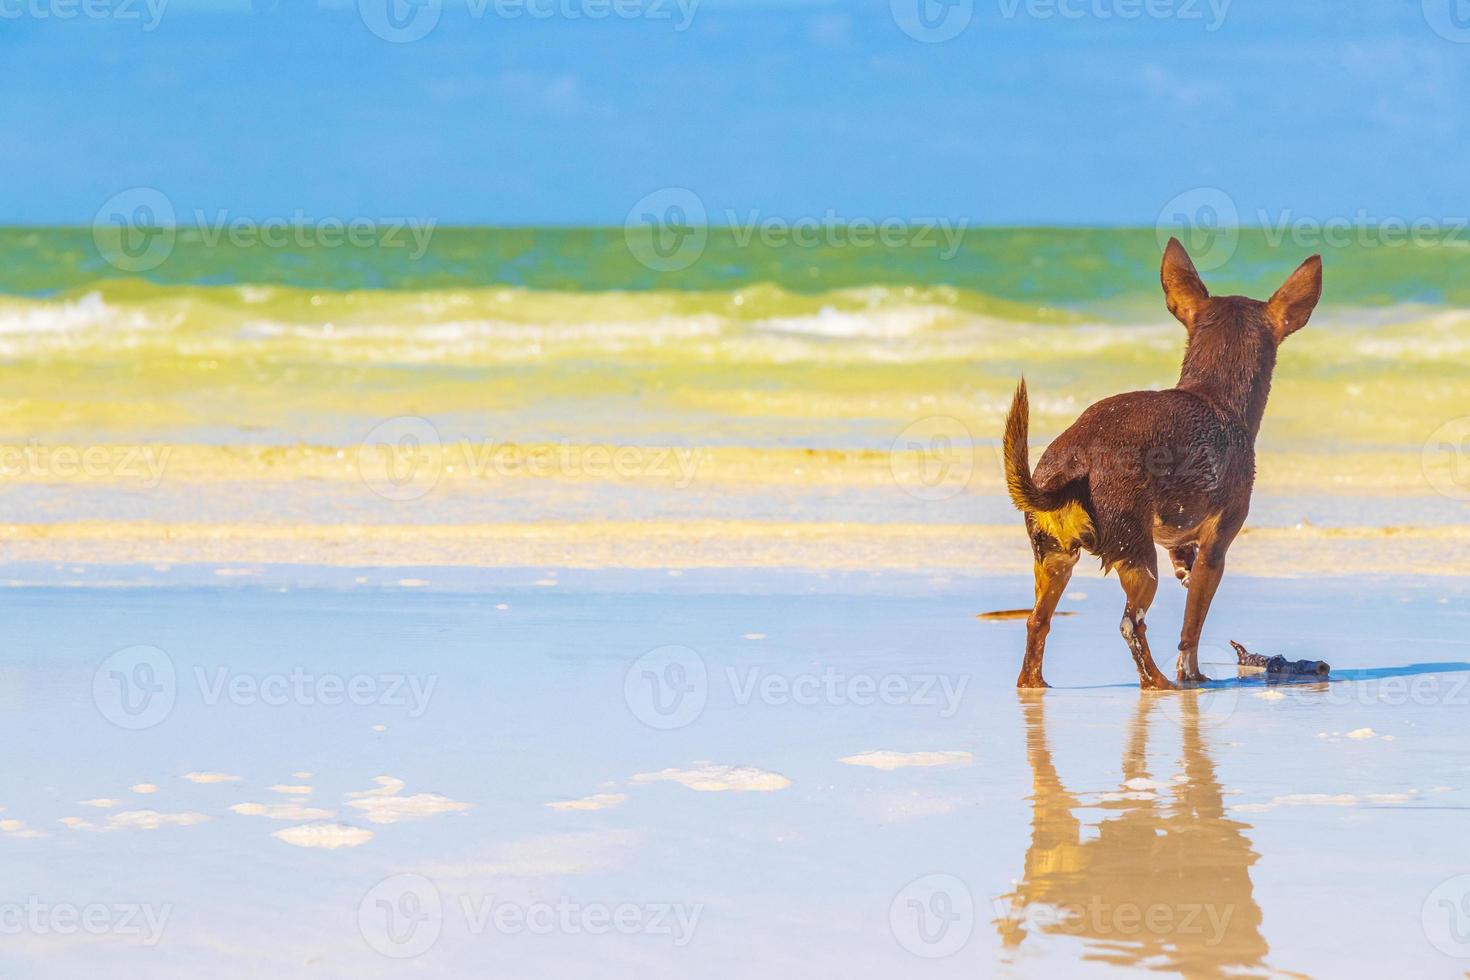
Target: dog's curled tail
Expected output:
[1025,494]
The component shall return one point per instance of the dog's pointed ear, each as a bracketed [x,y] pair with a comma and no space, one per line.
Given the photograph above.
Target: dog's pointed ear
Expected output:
[1292,306]
[1183,290]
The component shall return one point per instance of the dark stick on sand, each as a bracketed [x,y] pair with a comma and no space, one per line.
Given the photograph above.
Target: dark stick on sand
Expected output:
[1280,666]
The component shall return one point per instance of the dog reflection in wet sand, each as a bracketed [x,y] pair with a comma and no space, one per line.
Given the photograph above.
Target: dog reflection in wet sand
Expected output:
[1164,880]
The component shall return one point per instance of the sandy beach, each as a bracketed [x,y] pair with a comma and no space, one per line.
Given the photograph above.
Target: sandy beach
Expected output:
[841,783]
[366,633]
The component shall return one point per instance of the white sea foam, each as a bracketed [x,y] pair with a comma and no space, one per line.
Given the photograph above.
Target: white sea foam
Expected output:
[327,836]
[281,811]
[597,801]
[384,805]
[886,759]
[211,777]
[708,777]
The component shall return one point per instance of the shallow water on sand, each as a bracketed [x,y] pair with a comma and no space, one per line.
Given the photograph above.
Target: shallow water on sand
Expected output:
[797,775]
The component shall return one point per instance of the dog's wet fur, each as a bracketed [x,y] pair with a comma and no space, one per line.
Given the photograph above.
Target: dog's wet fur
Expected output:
[1172,468]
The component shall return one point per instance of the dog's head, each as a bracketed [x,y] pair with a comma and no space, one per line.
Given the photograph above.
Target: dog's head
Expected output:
[1279,317]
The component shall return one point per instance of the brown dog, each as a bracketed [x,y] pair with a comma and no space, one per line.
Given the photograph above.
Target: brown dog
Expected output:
[1173,468]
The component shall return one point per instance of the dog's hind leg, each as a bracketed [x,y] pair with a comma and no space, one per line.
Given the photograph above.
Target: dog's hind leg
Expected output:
[1053,571]
[1204,579]
[1140,579]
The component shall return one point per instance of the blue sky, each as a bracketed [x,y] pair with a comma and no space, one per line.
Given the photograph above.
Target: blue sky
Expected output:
[787,108]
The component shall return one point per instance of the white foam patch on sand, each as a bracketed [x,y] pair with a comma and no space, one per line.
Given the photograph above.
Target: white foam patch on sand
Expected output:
[18,828]
[709,777]
[291,790]
[137,820]
[384,805]
[153,820]
[597,801]
[211,777]
[550,855]
[1357,735]
[1329,799]
[1270,694]
[281,811]
[884,759]
[327,836]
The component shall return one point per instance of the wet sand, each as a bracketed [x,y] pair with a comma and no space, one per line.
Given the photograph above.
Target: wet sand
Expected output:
[551,772]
